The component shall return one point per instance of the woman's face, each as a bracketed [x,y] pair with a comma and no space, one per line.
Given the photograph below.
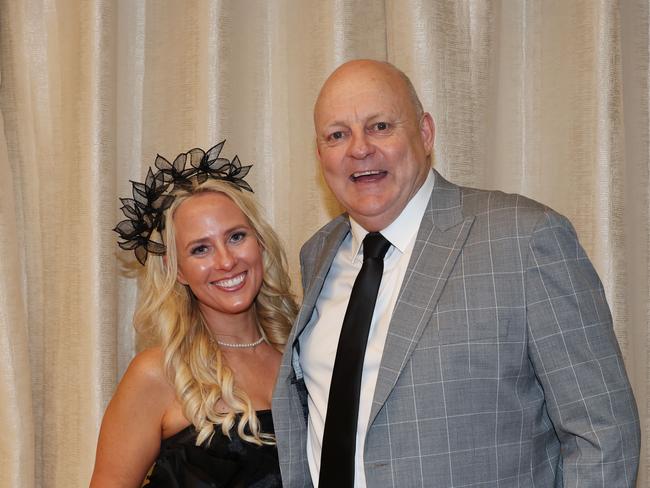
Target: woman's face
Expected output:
[219,256]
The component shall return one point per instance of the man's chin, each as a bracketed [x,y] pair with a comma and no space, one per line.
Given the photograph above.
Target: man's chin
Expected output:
[374,221]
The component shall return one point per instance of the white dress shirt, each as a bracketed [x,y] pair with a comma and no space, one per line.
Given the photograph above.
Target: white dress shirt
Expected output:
[319,340]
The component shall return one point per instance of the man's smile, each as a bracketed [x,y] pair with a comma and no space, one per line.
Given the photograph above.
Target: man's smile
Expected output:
[368,175]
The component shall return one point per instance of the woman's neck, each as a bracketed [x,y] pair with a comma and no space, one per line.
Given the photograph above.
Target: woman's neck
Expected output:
[241,328]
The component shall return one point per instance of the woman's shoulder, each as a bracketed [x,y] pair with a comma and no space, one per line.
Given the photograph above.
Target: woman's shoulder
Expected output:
[131,430]
[147,370]
[148,360]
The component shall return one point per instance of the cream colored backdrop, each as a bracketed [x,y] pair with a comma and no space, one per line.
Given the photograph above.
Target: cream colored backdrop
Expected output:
[549,98]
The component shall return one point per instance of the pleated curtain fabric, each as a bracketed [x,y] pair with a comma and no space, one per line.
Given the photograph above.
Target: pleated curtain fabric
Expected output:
[549,99]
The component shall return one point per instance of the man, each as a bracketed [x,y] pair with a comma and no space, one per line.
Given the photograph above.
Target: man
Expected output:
[491,358]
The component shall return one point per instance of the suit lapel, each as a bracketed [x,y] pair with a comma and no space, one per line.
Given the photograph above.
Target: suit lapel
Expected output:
[326,251]
[441,236]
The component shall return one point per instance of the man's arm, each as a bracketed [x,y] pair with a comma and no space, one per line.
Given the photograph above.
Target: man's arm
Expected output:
[577,359]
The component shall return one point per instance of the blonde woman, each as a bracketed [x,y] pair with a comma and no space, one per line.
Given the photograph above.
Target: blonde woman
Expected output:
[216,292]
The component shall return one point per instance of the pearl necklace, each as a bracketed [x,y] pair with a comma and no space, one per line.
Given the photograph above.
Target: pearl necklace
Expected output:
[241,345]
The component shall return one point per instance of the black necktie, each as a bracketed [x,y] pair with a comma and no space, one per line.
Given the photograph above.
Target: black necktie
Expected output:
[339,437]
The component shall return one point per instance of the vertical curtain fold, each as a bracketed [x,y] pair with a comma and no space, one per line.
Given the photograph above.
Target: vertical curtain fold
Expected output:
[635,54]
[609,159]
[129,129]
[21,281]
[16,461]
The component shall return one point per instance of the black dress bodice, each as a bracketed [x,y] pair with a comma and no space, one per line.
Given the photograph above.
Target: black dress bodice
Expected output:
[223,463]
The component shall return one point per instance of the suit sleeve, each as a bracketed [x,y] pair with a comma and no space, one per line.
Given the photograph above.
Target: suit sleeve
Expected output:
[303,270]
[578,362]
[309,252]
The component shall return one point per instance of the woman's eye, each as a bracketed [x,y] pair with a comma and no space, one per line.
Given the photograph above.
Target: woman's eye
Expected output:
[202,249]
[238,236]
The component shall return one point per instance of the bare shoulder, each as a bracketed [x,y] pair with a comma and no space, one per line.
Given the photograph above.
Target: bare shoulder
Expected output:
[130,434]
[144,385]
[147,365]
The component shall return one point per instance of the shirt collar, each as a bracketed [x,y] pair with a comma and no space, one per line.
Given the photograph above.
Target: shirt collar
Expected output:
[403,230]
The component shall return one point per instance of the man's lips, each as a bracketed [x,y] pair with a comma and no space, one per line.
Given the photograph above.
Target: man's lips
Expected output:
[368,175]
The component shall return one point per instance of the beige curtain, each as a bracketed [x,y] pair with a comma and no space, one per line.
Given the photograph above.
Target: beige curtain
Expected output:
[549,98]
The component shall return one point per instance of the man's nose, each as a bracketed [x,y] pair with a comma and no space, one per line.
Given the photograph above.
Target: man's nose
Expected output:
[360,147]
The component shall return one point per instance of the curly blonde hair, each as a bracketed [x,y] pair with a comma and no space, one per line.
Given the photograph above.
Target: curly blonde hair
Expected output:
[193,363]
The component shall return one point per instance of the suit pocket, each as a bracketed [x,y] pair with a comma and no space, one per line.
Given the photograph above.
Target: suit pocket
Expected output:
[478,308]
[473,329]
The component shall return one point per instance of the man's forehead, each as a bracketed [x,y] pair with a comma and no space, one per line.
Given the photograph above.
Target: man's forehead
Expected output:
[356,97]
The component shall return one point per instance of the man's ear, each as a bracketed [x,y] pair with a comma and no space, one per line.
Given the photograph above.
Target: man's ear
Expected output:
[427,131]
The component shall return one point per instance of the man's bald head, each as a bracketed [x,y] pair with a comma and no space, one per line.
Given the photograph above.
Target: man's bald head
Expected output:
[367,65]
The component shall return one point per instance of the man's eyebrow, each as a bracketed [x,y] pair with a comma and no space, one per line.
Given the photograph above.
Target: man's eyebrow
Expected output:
[332,123]
[376,115]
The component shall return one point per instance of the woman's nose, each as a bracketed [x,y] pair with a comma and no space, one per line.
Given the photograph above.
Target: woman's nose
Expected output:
[225,259]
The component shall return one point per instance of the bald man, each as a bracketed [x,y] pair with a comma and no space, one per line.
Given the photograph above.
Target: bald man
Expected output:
[491,358]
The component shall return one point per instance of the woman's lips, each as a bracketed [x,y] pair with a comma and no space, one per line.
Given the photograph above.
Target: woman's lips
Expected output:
[231,283]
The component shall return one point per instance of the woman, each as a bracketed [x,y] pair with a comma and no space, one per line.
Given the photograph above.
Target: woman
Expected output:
[217,293]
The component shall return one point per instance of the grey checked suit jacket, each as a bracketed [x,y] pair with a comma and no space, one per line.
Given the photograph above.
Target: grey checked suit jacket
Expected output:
[500,368]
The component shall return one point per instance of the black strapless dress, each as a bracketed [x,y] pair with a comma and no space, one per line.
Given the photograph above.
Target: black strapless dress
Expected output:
[225,462]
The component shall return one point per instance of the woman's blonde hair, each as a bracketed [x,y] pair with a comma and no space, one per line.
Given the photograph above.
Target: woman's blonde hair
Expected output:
[192,361]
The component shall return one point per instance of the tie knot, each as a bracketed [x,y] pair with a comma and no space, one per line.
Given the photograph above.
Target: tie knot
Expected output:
[375,246]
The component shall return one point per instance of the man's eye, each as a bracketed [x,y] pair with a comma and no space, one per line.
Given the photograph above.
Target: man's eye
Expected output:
[380,126]
[336,135]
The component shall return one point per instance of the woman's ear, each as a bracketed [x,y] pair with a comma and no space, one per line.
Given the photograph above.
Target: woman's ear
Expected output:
[179,274]
[180,278]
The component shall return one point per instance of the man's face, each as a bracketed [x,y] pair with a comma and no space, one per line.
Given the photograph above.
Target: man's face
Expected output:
[372,147]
